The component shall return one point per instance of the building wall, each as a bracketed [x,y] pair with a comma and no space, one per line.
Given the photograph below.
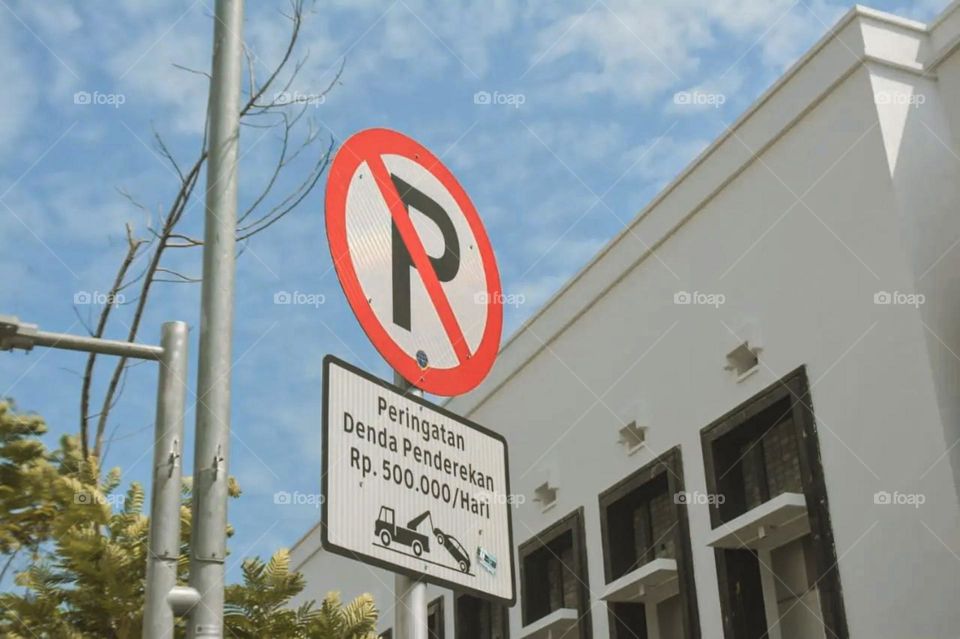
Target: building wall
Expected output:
[927,188]
[798,229]
[812,299]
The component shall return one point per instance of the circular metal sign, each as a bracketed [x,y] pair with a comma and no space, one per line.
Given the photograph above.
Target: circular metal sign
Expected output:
[414,261]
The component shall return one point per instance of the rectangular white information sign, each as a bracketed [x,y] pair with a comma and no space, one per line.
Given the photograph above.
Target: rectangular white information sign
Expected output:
[413,488]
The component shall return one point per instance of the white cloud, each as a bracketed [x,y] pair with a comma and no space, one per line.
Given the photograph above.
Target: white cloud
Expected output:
[925,10]
[711,94]
[796,31]
[143,70]
[538,290]
[20,89]
[638,50]
[51,18]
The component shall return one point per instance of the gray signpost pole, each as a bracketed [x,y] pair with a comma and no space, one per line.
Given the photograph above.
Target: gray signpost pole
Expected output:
[164,540]
[411,594]
[210,467]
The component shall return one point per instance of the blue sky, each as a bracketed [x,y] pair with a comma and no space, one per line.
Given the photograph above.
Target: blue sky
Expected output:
[586,122]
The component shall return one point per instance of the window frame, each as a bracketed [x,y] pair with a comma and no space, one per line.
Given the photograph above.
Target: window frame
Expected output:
[574,524]
[795,388]
[669,463]
[437,604]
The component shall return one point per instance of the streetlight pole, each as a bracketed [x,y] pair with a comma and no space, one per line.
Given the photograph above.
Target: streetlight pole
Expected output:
[410,593]
[163,548]
[163,545]
[210,464]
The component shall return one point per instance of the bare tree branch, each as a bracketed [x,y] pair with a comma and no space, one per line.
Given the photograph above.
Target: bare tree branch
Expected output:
[189,70]
[82,320]
[180,276]
[167,154]
[133,245]
[170,221]
[274,113]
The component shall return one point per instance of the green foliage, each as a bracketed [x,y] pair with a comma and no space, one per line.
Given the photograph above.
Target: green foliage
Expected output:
[87,554]
[25,472]
[257,607]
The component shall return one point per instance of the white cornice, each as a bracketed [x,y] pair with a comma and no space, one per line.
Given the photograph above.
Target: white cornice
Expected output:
[861,35]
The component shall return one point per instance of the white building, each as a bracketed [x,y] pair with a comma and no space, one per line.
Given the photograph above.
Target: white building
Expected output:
[779,331]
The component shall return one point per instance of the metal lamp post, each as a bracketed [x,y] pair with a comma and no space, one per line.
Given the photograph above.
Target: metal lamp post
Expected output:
[163,598]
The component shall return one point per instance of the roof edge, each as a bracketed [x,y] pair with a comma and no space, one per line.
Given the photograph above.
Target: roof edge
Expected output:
[475,399]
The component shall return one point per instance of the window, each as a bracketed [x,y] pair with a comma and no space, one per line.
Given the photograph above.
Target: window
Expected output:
[640,527]
[763,459]
[758,460]
[643,519]
[478,618]
[553,573]
[435,625]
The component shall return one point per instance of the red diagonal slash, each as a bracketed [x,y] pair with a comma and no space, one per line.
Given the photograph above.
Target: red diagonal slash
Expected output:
[401,217]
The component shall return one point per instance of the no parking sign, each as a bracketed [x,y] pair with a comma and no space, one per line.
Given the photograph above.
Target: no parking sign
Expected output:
[414,261]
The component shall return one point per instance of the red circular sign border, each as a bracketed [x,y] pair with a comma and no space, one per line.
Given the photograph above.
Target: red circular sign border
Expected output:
[353,152]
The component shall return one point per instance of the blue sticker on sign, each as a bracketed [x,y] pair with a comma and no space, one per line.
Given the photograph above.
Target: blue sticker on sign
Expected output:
[488,561]
[422,360]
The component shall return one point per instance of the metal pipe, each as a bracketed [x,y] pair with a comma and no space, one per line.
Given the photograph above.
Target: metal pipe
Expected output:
[410,594]
[163,547]
[69,342]
[208,539]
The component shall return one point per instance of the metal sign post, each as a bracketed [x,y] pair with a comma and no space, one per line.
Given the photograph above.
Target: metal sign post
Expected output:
[410,594]
[164,541]
[210,464]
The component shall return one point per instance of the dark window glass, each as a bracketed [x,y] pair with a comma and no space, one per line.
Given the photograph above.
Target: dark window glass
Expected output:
[758,461]
[553,573]
[641,527]
[480,619]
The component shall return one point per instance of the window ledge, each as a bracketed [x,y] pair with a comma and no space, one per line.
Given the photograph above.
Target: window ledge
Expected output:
[553,626]
[770,525]
[652,582]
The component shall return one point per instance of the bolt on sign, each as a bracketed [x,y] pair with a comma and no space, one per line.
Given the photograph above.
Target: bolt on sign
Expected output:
[413,488]
[414,261]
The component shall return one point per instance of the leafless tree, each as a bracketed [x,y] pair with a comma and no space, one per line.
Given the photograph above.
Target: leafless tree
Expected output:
[297,137]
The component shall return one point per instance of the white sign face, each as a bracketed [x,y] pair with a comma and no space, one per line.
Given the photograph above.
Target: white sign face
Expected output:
[414,261]
[403,308]
[413,488]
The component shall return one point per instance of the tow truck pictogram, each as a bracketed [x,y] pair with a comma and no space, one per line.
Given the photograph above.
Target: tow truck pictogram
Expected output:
[389,531]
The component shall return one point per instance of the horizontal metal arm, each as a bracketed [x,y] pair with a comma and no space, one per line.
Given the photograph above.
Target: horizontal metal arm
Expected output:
[16,334]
